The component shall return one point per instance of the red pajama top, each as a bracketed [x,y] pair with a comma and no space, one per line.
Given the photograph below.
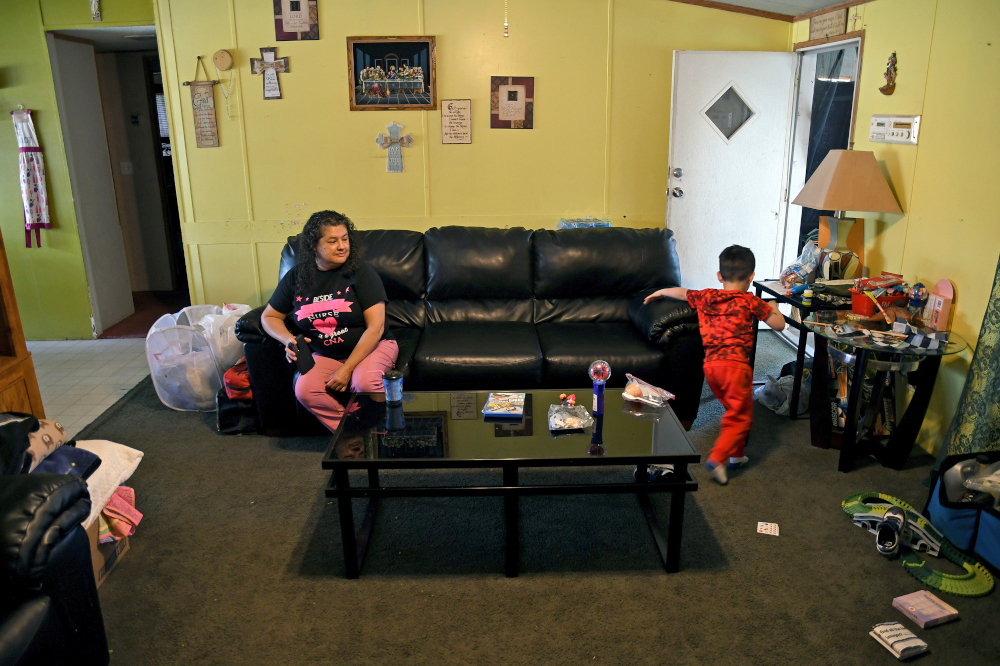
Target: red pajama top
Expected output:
[725,319]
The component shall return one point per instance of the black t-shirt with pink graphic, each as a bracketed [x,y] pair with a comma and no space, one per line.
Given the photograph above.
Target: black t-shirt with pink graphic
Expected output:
[332,313]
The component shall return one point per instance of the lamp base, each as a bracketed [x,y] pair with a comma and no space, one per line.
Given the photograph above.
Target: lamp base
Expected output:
[842,236]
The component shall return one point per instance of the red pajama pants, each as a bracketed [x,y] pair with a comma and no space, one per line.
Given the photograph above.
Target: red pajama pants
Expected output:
[732,384]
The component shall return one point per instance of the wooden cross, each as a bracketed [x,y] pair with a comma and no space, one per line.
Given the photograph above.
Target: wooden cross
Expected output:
[269,66]
[395,143]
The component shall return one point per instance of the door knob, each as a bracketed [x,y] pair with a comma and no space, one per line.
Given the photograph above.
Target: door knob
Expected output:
[678,172]
[677,193]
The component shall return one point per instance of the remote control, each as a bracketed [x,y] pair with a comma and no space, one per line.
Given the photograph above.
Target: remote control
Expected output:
[303,359]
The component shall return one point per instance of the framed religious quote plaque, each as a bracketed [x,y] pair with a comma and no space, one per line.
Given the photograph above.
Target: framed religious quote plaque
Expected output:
[295,20]
[512,102]
[390,73]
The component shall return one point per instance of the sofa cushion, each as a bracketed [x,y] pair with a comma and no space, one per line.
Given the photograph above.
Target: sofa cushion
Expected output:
[603,261]
[397,256]
[477,263]
[407,339]
[485,310]
[569,350]
[479,355]
[596,309]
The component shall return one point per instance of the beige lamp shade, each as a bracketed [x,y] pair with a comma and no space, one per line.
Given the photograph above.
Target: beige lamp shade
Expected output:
[848,180]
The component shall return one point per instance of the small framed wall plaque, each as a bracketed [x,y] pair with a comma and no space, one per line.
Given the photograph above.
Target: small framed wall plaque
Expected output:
[826,25]
[456,122]
[295,20]
[512,102]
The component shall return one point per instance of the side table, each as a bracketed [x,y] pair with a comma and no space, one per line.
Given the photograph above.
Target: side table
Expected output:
[776,291]
[862,354]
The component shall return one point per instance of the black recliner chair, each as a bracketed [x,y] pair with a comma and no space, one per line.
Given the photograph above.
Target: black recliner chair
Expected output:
[49,611]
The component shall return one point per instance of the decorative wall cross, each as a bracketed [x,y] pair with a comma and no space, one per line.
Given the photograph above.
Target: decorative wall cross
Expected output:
[269,66]
[95,10]
[395,143]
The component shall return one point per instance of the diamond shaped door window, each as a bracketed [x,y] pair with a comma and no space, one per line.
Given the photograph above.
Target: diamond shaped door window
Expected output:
[729,112]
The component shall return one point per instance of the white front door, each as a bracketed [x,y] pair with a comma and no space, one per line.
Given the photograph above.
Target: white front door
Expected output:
[730,119]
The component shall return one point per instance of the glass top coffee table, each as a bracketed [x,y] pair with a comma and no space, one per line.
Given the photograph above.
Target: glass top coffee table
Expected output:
[447,430]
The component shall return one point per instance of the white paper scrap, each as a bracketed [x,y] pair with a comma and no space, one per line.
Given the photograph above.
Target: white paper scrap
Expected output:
[767,528]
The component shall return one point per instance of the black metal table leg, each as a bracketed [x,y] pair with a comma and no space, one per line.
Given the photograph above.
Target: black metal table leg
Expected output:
[849,448]
[669,547]
[368,522]
[510,508]
[343,481]
[820,424]
[800,359]
[753,347]
[674,529]
[900,443]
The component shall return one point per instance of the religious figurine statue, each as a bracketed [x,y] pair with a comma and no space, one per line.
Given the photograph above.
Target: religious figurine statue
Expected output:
[890,76]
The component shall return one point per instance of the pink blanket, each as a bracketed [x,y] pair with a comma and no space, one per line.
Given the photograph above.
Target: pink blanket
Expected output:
[121,515]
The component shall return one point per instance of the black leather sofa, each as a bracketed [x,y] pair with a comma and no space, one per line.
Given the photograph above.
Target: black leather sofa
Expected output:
[474,308]
[49,611]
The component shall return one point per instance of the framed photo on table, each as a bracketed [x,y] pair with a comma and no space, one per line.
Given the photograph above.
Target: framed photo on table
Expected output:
[392,73]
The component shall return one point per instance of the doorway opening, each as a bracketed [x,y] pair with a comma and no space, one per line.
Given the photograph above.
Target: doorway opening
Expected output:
[826,105]
[110,96]
[824,121]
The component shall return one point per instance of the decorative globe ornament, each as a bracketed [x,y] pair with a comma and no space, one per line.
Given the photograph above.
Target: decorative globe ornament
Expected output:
[600,373]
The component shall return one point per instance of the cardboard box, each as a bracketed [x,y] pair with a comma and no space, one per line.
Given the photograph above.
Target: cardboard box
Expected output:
[105,556]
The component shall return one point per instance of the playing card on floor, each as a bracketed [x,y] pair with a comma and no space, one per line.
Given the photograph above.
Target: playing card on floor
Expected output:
[767,528]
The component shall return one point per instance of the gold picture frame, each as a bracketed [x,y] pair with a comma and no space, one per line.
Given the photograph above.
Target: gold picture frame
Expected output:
[392,73]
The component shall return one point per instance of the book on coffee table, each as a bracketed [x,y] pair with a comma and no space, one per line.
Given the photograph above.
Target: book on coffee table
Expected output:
[925,609]
[898,640]
[504,406]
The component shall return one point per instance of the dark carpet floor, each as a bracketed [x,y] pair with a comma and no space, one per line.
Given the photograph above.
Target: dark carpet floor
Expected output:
[238,561]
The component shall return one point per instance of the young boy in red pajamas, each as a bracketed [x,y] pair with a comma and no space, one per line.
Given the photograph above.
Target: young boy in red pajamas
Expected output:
[725,317]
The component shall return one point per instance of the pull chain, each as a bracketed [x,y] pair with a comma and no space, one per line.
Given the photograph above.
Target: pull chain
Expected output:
[226,92]
[505,18]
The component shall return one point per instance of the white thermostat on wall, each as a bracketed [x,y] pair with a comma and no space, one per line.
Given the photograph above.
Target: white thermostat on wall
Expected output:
[894,129]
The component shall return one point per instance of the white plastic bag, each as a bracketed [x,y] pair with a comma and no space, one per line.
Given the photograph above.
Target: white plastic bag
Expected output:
[776,394]
[219,328]
[189,352]
[797,271]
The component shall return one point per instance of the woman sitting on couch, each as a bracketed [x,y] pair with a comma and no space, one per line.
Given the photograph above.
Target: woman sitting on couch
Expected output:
[339,304]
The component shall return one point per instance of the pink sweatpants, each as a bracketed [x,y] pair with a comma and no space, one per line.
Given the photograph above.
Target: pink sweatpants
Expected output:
[310,389]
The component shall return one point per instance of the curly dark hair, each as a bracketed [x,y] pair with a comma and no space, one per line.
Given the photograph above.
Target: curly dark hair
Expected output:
[309,239]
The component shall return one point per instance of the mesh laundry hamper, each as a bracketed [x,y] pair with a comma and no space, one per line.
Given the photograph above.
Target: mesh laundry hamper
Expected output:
[182,364]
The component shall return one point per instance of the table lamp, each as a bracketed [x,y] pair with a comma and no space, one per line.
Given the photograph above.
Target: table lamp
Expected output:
[847,180]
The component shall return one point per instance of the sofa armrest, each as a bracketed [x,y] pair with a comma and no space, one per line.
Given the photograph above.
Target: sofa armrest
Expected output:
[660,321]
[36,512]
[249,327]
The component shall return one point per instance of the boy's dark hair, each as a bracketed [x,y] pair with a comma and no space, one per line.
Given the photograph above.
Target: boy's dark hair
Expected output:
[736,263]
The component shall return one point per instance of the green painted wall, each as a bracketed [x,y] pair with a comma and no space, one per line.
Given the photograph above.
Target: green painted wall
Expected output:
[50,282]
